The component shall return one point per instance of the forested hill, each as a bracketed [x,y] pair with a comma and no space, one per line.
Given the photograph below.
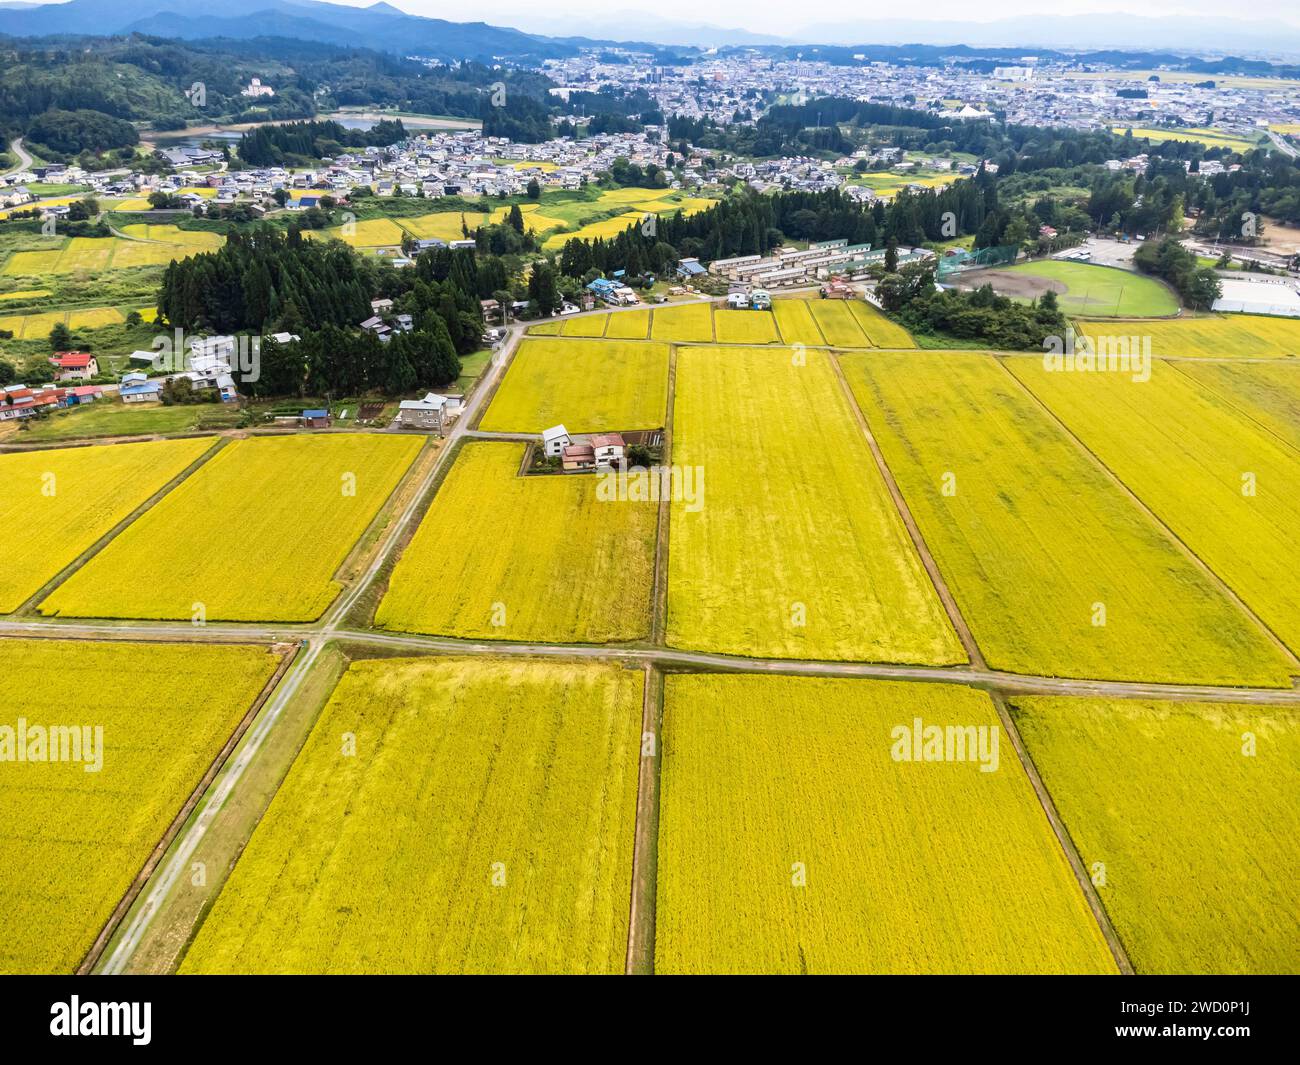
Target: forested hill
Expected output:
[143,79]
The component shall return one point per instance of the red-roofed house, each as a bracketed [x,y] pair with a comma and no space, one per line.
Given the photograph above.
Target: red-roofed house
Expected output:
[578,457]
[19,401]
[84,394]
[74,365]
[608,449]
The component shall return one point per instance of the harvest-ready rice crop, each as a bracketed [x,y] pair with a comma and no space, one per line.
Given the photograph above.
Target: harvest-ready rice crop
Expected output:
[793,838]
[606,228]
[1217,336]
[73,838]
[33,263]
[370,233]
[586,325]
[1269,392]
[788,544]
[628,325]
[586,386]
[683,323]
[880,330]
[546,557]
[796,322]
[484,824]
[838,324]
[57,503]
[545,329]
[86,253]
[745,327]
[1228,488]
[1185,815]
[1054,566]
[443,225]
[33,326]
[257,534]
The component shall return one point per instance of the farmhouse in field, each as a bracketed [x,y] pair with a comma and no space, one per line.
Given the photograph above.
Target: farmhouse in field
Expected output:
[555,440]
[608,449]
[579,457]
[74,365]
[433,412]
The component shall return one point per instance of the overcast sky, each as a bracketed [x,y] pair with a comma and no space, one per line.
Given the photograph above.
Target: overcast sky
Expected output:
[783,17]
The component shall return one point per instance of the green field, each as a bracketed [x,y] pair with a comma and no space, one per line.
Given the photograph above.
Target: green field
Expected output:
[107,418]
[1100,290]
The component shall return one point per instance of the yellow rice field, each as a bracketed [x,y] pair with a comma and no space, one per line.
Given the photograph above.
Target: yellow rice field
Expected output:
[1228,488]
[1185,815]
[792,841]
[586,325]
[72,840]
[586,386]
[838,324]
[35,326]
[371,233]
[57,503]
[793,547]
[1031,535]
[628,325]
[162,245]
[445,225]
[609,227]
[257,534]
[1214,336]
[797,323]
[484,824]
[744,327]
[880,331]
[1268,392]
[33,263]
[545,558]
[683,323]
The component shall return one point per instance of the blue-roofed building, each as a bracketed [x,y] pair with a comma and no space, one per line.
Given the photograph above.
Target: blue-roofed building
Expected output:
[137,388]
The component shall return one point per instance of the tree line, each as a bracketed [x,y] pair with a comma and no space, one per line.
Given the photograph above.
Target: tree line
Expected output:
[274,145]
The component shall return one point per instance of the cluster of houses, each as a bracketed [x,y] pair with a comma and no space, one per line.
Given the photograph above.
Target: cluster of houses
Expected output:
[612,291]
[741,297]
[597,451]
[208,365]
[432,165]
[25,401]
[384,324]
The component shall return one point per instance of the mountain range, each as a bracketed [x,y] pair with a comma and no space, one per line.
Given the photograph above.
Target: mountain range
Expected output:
[384,27]
[381,26]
